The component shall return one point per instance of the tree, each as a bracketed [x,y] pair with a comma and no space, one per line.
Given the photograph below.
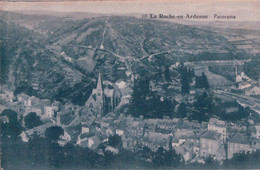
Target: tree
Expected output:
[182,111]
[140,91]
[191,74]
[115,141]
[164,158]
[32,120]
[205,82]
[13,128]
[210,162]
[167,74]
[203,107]
[153,107]
[125,159]
[243,161]
[185,79]
[55,155]
[202,81]
[38,148]
[147,153]
[53,133]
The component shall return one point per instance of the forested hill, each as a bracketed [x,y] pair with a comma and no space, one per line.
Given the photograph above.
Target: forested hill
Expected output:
[63,55]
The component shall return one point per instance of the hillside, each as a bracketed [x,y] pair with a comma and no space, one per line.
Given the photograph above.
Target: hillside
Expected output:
[64,55]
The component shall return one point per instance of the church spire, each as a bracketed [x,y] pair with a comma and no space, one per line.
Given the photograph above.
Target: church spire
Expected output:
[99,84]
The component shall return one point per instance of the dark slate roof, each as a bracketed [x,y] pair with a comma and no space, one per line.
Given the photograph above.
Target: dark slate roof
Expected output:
[121,125]
[73,132]
[86,135]
[84,144]
[211,135]
[239,138]
[94,97]
[88,122]
[39,129]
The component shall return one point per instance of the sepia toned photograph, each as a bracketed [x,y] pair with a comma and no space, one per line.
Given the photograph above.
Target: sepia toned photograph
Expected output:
[129,84]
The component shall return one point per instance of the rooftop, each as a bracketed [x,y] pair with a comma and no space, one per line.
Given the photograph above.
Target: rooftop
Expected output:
[211,135]
[239,138]
[257,127]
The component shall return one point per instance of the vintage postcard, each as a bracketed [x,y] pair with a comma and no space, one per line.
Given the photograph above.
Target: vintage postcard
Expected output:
[130,84]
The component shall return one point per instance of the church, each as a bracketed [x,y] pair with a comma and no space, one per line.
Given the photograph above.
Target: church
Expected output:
[103,100]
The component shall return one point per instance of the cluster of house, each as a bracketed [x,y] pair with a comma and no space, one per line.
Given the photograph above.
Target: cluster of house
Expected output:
[191,139]
[24,104]
[245,84]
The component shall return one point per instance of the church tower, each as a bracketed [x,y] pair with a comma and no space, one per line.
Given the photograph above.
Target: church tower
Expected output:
[100,96]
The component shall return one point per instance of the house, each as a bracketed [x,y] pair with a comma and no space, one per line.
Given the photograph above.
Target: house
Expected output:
[237,144]
[39,130]
[196,146]
[56,106]
[7,95]
[35,86]
[186,124]
[28,102]
[155,140]
[120,128]
[165,124]
[93,142]
[185,149]
[20,98]
[184,133]
[73,131]
[176,121]
[221,155]
[256,144]
[140,129]
[110,131]
[218,126]
[62,142]
[196,125]
[66,136]
[88,130]
[257,134]
[112,150]
[204,125]
[130,120]
[48,112]
[82,139]
[177,142]
[35,101]
[24,137]
[24,99]
[84,129]
[87,124]
[150,125]
[37,110]
[104,125]
[136,129]
[103,136]
[45,102]
[210,142]
[129,143]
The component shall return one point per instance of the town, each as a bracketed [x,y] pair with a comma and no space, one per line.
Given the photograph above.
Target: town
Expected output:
[104,91]
[89,126]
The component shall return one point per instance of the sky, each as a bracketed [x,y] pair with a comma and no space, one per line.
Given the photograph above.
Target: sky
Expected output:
[244,10]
